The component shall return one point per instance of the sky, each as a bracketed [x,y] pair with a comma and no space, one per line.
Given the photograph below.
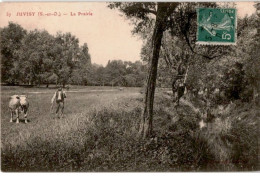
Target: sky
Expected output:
[107,34]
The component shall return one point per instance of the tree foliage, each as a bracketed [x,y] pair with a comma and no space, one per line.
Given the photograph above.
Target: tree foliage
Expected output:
[11,39]
[37,57]
[118,73]
[233,69]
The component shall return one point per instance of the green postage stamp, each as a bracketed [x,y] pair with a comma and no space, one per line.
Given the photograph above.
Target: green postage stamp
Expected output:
[216,26]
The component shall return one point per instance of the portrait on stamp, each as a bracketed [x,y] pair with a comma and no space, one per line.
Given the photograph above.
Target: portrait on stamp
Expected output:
[216,26]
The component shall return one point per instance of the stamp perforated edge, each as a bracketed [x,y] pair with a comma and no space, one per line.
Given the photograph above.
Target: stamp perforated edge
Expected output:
[216,43]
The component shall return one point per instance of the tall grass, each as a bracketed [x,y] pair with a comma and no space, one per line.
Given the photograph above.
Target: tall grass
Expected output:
[105,138]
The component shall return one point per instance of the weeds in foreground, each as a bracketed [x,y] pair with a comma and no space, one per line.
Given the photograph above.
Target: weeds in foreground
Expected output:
[106,140]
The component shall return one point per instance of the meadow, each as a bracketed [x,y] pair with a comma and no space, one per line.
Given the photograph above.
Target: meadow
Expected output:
[99,132]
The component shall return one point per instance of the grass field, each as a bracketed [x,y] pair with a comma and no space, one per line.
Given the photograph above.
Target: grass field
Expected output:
[43,127]
[99,133]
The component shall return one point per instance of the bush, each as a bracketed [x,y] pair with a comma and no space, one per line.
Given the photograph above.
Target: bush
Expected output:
[244,137]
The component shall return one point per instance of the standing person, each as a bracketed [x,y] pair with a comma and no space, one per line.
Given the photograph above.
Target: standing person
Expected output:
[180,90]
[59,96]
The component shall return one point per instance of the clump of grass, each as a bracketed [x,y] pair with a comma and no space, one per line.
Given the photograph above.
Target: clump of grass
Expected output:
[108,141]
[244,138]
[102,142]
[233,138]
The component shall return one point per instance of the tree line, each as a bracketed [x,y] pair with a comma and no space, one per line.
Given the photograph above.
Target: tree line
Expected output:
[118,73]
[37,57]
[169,31]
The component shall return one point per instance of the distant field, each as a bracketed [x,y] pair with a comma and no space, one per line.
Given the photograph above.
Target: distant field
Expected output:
[78,101]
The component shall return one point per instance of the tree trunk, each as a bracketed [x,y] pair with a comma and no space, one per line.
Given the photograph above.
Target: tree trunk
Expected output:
[174,90]
[256,96]
[147,115]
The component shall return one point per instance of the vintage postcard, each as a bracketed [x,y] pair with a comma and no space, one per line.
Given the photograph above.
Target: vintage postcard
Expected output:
[129,86]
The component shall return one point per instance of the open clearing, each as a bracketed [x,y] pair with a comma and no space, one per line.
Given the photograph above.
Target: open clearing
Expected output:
[42,122]
[44,125]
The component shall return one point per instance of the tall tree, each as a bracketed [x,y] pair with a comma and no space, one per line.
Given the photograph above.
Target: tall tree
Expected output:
[36,57]
[67,54]
[141,12]
[251,47]
[11,38]
[80,73]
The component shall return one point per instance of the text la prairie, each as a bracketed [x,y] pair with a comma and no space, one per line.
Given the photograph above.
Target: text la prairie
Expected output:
[54,14]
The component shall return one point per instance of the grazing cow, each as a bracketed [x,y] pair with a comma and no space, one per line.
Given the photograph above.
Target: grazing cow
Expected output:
[24,106]
[59,96]
[16,102]
[14,105]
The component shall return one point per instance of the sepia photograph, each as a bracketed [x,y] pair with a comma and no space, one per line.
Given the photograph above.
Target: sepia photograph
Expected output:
[130,86]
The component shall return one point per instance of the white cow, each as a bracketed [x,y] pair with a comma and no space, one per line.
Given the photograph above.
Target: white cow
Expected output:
[14,105]
[24,106]
[16,102]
